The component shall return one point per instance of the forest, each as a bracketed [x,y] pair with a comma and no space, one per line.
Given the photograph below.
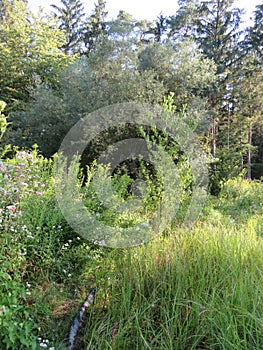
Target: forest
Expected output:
[167,247]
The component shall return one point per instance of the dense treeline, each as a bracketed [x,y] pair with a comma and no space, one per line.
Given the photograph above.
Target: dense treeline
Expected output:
[55,68]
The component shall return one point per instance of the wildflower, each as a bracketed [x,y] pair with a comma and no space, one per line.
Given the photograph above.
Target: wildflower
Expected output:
[43,345]
[24,184]
[38,228]
[11,207]
[39,193]
[113,332]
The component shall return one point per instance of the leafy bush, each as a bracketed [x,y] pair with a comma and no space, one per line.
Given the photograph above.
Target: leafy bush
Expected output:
[242,197]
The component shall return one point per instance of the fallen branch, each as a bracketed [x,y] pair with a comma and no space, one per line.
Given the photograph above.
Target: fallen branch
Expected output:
[78,319]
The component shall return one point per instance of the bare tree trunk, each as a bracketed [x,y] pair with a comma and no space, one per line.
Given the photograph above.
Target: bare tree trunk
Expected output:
[249,151]
[228,129]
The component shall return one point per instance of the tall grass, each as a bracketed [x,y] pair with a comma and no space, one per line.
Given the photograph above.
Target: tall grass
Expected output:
[193,290]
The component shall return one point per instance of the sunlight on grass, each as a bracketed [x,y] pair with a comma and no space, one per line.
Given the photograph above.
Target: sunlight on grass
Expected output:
[193,290]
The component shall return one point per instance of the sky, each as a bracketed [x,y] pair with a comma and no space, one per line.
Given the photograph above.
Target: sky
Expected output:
[142,9]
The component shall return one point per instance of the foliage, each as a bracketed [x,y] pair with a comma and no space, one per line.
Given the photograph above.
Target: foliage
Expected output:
[115,73]
[95,27]
[199,54]
[186,289]
[245,196]
[184,23]
[254,37]
[37,247]
[47,268]
[3,119]
[29,53]
[70,18]
[89,84]
[183,70]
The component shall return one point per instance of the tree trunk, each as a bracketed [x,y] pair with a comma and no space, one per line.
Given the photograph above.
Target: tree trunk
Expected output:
[249,152]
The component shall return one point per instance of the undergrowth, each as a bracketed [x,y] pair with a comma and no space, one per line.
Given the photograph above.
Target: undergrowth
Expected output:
[198,288]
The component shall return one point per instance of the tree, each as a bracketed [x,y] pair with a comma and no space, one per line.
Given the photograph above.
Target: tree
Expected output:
[158,28]
[183,24]
[250,116]
[254,37]
[126,28]
[91,83]
[117,71]
[29,53]
[95,27]
[182,69]
[217,34]
[70,18]
[251,97]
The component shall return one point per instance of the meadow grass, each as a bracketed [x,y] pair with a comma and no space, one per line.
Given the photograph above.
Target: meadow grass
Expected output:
[198,288]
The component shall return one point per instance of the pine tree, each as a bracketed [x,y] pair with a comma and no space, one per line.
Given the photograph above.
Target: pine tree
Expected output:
[218,35]
[254,37]
[95,27]
[251,95]
[70,17]
[183,24]
[158,28]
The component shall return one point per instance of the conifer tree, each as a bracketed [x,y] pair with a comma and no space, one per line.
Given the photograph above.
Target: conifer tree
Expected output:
[250,100]
[254,37]
[70,18]
[183,24]
[95,27]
